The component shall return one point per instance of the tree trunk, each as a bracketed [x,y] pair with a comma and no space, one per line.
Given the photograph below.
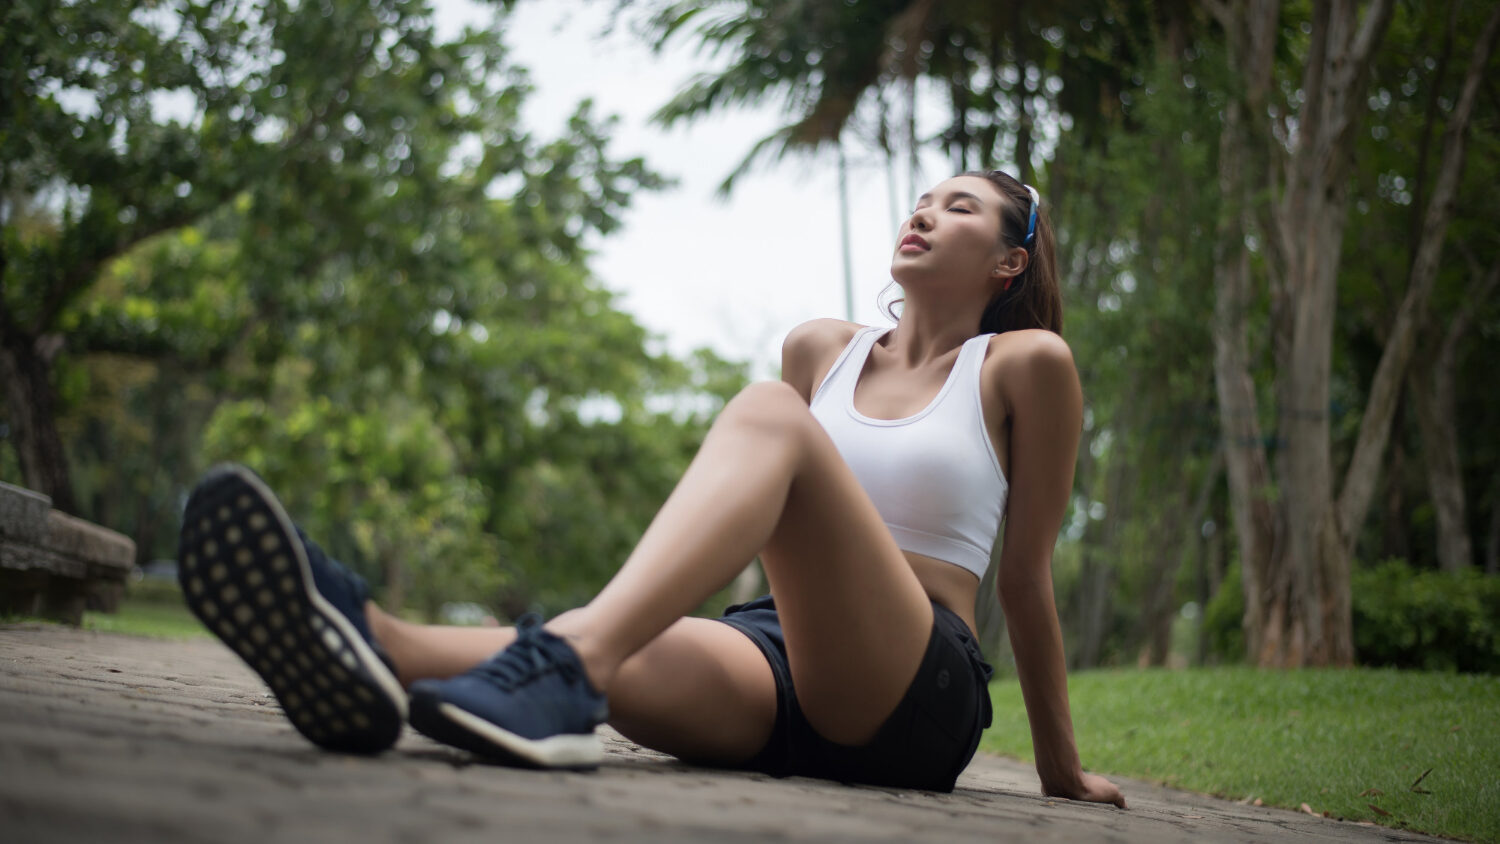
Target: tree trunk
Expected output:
[1023,97]
[1492,543]
[1244,450]
[1395,540]
[843,165]
[25,366]
[1434,391]
[1296,564]
[1162,610]
[1165,548]
[1445,483]
[1364,466]
[1210,575]
[1096,575]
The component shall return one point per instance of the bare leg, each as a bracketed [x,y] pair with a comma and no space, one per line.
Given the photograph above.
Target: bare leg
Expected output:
[421,651]
[768,479]
[701,690]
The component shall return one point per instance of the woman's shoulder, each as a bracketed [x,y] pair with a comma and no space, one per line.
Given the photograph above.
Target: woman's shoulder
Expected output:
[823,331]
[1029,359]
[1030,347]
[810,349]
[815,338]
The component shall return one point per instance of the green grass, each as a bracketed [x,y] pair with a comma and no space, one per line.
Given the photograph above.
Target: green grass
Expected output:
[1341,741]
[147,618]
[150,608]
[150,614]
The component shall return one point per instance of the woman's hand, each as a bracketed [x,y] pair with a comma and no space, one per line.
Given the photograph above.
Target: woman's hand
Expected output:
[1092,788]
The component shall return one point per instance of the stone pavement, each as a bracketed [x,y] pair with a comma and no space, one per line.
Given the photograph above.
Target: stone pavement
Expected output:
[114,738]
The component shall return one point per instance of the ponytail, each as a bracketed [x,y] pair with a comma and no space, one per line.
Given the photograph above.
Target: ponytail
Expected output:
[1032,299]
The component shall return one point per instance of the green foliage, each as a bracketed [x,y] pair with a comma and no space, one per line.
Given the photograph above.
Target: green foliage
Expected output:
[315,238]
[818,60]
[378,484]
[1339,741]
[320,234]
[1414,85]
[1403,618]
[1223,618]
[1432,620]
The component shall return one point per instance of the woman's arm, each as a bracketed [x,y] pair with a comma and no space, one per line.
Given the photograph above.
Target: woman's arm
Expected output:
[1040,386]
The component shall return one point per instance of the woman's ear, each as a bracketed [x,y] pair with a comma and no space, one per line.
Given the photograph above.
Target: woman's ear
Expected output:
[1011,264]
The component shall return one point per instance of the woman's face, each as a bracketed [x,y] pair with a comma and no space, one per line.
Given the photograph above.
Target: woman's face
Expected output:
[953,235]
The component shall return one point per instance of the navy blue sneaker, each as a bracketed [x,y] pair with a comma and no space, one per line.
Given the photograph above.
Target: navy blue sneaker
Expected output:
[531,704]
[295,616]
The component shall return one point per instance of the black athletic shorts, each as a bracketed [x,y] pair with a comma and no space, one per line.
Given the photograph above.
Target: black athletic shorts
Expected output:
[927,741]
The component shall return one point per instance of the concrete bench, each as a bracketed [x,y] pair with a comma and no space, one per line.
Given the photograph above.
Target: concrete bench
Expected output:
[54,565]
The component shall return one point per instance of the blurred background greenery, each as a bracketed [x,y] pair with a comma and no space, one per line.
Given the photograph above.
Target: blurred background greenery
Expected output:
[316,238]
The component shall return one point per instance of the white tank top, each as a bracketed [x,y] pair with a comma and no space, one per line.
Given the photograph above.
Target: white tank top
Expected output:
[933,476]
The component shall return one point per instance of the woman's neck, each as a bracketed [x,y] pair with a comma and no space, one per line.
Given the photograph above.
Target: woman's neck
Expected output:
[930,330]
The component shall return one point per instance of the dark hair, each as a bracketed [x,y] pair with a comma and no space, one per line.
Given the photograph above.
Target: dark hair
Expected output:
[1034,298]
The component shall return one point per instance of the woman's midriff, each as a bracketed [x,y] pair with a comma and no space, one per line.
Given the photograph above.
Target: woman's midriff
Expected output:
[952,586]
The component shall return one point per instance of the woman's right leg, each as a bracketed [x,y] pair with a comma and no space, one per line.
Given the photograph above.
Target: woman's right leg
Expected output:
[701,690]
[768,478]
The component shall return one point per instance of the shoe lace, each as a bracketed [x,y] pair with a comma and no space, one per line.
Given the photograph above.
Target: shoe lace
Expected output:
[528,657]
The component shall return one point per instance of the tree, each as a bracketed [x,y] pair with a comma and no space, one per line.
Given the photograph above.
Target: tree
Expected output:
[371,286]
[1296,548]
[94,168]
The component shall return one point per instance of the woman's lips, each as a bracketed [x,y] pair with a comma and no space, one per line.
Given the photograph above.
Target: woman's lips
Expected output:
[914,243]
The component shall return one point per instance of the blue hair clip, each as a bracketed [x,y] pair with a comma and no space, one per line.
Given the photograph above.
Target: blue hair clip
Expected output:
[1035,202]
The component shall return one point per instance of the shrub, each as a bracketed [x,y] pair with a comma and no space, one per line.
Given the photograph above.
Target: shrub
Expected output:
[1403,618]
[1432,620]
[1223,618]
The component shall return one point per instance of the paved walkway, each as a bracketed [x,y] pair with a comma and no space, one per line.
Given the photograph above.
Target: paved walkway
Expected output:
[114,738]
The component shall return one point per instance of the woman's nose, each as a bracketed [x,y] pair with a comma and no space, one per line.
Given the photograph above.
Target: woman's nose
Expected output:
[919,220]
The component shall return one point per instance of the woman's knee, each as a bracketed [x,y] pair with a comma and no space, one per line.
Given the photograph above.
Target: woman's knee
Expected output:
[770,406]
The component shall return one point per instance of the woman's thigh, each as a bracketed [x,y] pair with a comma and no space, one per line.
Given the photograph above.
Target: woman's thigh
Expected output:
[855,618]
[701,691]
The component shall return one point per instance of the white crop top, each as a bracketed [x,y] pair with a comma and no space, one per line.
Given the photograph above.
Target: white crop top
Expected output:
[933,476]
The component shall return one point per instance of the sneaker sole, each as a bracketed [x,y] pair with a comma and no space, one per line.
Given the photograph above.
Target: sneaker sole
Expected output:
[459,728]
[245,575]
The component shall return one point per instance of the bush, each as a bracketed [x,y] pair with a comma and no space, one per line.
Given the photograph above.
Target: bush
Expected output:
[1223,618]
[1403,618]
[1431,620]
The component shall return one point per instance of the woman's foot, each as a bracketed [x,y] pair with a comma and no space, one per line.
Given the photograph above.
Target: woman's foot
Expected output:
[531,704]
[292,614]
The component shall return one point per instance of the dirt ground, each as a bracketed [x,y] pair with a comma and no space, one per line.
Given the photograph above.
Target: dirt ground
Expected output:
[116,738]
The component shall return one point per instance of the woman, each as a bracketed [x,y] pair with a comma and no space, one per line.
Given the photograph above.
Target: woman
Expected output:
[871,481]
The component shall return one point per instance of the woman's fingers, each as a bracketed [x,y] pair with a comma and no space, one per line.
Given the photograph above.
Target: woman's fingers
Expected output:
[1097,789]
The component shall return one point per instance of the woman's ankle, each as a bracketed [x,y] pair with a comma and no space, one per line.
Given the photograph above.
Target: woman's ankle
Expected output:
[598,663]
[386,630]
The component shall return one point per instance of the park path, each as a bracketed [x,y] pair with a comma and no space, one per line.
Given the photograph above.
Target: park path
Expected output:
[106,737]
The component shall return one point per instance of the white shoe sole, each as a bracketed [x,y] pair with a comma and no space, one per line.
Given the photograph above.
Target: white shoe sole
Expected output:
[245,574]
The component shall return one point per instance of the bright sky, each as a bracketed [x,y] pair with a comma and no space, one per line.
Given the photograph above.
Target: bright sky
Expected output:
[734,275]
